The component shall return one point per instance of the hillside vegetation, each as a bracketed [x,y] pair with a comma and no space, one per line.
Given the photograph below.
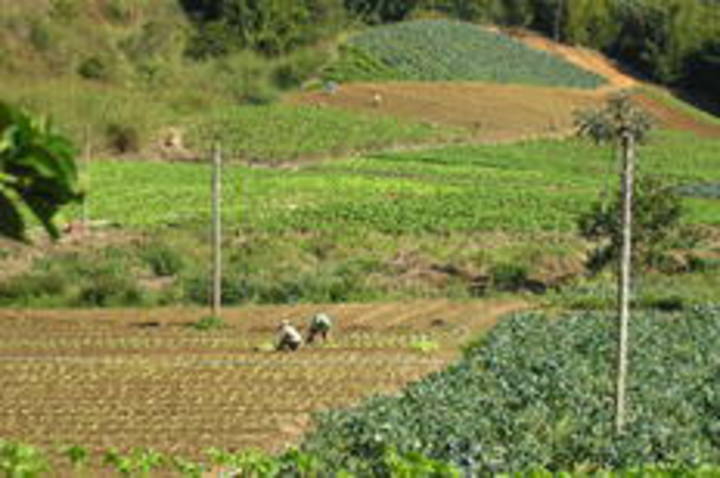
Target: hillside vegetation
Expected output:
[132,74]
[459,222]
[437,50]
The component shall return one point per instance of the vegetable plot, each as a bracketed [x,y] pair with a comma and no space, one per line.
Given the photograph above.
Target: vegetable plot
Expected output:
[147,379]
[442,50]
[538,392]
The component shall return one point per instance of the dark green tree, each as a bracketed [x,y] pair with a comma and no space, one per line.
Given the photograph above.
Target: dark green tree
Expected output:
[657,210]
[271,27]
[37,172]
[381,11]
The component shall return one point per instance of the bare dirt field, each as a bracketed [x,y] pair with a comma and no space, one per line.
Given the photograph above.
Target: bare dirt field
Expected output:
[144,378]
[490,112]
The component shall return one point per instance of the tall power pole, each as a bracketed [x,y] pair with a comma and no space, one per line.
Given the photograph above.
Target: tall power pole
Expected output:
[216,232]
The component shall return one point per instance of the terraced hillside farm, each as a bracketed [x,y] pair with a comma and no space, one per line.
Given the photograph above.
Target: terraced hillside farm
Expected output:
[418,180]
[144,378]
[490,84]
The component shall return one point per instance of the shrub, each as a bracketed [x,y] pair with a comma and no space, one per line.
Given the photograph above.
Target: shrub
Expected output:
[122,138]
[40,36]
[298,68]
[509,277]
[657,211]
[163,260]
[259,93]
[94,68]
[209,322]
[670,303]
[120,11]
[197,288]
[65,10]
[31,285]
[105,285]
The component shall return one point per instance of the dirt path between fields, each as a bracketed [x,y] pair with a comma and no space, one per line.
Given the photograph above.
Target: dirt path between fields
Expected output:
[584,58]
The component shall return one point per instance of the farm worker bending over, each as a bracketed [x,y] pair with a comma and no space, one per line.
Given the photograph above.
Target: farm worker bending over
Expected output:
[288,337]
[320,324]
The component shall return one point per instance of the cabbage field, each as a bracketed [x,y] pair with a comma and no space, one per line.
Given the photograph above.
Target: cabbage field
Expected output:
[442,50]
[538,392]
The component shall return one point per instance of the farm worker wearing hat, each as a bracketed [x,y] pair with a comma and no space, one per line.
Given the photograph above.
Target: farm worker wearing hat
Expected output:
[320,324]
[288,337]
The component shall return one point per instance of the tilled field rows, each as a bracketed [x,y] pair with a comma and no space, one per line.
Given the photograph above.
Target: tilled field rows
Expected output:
[131,379]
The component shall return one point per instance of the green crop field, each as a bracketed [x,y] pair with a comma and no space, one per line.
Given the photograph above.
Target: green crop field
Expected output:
[525,187]
[441,50]
[550,406]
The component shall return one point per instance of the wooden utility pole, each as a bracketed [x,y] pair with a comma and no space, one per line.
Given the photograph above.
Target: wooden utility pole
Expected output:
[85,221]
[216,232]
[628,151]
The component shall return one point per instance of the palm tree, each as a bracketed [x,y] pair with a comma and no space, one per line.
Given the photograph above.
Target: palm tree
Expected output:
[620,122]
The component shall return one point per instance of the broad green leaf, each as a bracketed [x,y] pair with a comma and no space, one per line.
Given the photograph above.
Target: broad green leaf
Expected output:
[11,223]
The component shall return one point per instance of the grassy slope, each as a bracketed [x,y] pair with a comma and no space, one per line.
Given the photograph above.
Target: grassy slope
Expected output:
[117,70]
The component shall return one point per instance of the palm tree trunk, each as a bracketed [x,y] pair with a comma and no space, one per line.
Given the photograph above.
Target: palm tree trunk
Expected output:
[628,149]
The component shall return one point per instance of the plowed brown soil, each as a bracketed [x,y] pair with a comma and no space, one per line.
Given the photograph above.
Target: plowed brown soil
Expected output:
[143,378]
[488,112]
